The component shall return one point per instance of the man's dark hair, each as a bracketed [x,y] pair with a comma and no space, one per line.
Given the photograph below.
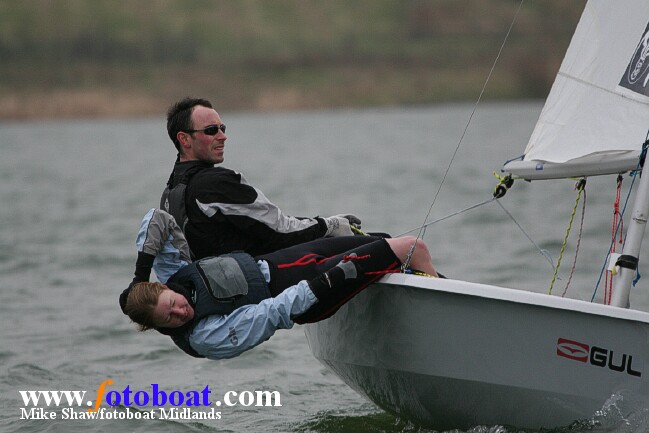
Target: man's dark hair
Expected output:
[179,117]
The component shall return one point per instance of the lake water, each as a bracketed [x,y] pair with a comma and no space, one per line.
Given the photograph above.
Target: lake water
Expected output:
[72,195]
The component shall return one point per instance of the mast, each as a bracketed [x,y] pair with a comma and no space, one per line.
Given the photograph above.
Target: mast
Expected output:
[628,261]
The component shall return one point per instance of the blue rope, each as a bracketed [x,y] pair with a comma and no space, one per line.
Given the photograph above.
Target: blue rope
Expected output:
[518,158]
[637,277]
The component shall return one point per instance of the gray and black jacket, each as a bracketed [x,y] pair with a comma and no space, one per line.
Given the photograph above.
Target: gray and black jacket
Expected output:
[220,212]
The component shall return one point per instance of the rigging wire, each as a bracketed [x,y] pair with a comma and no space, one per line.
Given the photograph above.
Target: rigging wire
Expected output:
[406,262]
[425,226]
[541,251]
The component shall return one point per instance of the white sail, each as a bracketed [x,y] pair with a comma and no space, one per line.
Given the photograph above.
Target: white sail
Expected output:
[596,116]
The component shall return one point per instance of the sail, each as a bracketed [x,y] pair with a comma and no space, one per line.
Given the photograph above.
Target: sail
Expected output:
[596,116]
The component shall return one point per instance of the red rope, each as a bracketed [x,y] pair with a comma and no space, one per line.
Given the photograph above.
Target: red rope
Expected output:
[616,221]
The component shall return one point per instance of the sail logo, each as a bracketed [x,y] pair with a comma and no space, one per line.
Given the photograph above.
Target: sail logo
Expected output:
[636,75]
[596,356]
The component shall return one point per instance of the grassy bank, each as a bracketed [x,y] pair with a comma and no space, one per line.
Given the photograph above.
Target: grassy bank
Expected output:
[124,58]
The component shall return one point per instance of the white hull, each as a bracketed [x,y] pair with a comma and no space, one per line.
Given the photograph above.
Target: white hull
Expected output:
[452,354]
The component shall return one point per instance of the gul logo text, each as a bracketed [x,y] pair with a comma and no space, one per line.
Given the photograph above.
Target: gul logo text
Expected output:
[597,356]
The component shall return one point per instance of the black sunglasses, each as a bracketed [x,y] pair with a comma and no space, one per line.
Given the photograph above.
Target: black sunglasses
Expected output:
[210,130]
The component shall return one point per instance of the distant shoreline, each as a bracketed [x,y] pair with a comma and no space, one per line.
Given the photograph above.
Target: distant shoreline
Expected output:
[368,88]
[79,104]
[96,105]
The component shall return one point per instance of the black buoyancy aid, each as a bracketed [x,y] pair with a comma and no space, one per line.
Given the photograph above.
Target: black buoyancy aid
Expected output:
[217,285]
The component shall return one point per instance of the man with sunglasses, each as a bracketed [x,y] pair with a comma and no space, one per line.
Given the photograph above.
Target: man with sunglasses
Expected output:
[217,209]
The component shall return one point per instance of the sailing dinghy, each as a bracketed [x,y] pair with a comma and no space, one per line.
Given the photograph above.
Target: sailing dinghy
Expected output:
[454,354]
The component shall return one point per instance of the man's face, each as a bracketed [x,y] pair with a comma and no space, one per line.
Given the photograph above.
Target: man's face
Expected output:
[199,145]
[172,310]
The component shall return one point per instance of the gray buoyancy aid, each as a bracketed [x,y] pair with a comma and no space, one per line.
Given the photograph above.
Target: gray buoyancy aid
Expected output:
[217,285]
[173,196]
[173,201]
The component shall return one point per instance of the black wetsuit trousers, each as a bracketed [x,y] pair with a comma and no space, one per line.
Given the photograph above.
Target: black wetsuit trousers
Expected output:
[310,259]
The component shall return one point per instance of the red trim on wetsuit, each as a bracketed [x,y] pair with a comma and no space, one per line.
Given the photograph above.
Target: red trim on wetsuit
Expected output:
[305,260]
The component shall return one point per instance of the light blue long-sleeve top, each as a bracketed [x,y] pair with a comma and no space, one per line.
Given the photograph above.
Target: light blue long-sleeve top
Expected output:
[221,336]
[218,337]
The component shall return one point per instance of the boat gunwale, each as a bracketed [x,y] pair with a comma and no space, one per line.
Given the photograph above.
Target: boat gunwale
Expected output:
[512,295]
